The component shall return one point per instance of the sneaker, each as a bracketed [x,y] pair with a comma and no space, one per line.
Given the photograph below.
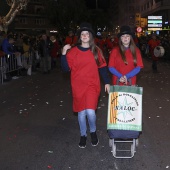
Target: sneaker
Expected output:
[82,143]
[94,139]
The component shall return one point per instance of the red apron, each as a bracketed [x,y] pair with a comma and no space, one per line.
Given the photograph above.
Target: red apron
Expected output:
[85,80]
[115,60]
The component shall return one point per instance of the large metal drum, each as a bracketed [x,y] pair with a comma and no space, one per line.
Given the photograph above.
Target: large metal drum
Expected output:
[159,51]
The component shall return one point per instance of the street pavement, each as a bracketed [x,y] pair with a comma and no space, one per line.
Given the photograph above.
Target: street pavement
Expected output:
[39,131]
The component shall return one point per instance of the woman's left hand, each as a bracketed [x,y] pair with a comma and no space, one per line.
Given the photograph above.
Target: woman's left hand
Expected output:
[125,78]
[107,88]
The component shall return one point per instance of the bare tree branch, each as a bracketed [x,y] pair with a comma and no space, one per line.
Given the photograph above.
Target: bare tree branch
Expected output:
[16,6]
[11,9]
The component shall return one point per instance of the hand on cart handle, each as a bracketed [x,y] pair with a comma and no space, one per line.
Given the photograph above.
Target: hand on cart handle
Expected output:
[107,88]
[126,81]
[123,79]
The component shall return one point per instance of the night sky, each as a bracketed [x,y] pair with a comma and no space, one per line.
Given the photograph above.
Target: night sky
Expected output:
[4,8]
[103,4]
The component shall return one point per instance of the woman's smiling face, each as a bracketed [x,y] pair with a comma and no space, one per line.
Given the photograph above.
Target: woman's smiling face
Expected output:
[125,40]
[85,36]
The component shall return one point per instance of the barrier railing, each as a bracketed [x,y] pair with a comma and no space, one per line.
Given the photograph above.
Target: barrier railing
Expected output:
[14,62]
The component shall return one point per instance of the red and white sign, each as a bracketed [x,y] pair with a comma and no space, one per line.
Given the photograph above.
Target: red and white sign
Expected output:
[139,29]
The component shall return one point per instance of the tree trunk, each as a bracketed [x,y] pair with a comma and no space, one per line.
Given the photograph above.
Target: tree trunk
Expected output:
[16,6]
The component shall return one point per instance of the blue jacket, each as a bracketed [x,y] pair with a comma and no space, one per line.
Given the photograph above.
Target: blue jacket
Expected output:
[7,48]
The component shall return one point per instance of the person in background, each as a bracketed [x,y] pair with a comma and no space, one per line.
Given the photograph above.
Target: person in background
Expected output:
[54,52]
[153,42]
[45,46]
[111,42]
[26,52]
[85,61]
[10,54]
[99,41]
[71,39]
[8,45]
[125,61]
[2,37]
[136,40]
[19,42]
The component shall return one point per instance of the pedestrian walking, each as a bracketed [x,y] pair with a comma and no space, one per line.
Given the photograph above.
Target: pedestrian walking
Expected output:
[55,62]
[153,42]
[44,51]
[125,61]
[85,61]
[71,39]
[111,42]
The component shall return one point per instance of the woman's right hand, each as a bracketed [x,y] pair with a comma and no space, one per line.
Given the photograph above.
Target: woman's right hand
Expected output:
[65,48]
[122,79]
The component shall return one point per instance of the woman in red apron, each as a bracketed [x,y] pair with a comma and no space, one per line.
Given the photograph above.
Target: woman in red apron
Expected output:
[85,61]
[125,61]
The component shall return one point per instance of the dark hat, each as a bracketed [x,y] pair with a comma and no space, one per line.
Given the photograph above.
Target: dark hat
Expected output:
[124,30]
[85,26]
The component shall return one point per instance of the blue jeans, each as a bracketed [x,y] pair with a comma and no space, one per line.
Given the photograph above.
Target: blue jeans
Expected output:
[91,117]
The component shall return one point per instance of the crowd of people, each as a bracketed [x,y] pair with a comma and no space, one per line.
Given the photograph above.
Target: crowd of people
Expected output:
[29,50]
[45,50]
[41,50]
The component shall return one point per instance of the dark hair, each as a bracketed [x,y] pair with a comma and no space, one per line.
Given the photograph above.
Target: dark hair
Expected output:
[132,47]
[94,49]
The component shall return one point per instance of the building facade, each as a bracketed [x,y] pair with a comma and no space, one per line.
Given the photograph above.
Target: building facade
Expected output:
[157,8]
[32,20]
[135,13]
[124,12]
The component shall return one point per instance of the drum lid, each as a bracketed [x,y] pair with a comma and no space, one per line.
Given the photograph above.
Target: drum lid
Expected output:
[159,51]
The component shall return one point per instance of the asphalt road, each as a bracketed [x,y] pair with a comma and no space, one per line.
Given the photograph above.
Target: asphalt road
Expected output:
[39,131]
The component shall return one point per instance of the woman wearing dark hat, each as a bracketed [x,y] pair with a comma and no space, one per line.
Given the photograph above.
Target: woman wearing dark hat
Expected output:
[85,61]
[125,61]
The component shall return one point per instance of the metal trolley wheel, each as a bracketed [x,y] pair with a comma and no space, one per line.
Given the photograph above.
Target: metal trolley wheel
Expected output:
[133,148]
[110,142]
[114,150]
[137,142]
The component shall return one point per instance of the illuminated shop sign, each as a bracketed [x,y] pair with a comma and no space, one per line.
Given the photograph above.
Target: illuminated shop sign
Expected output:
[155,17]
[154,23]
[154,29]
